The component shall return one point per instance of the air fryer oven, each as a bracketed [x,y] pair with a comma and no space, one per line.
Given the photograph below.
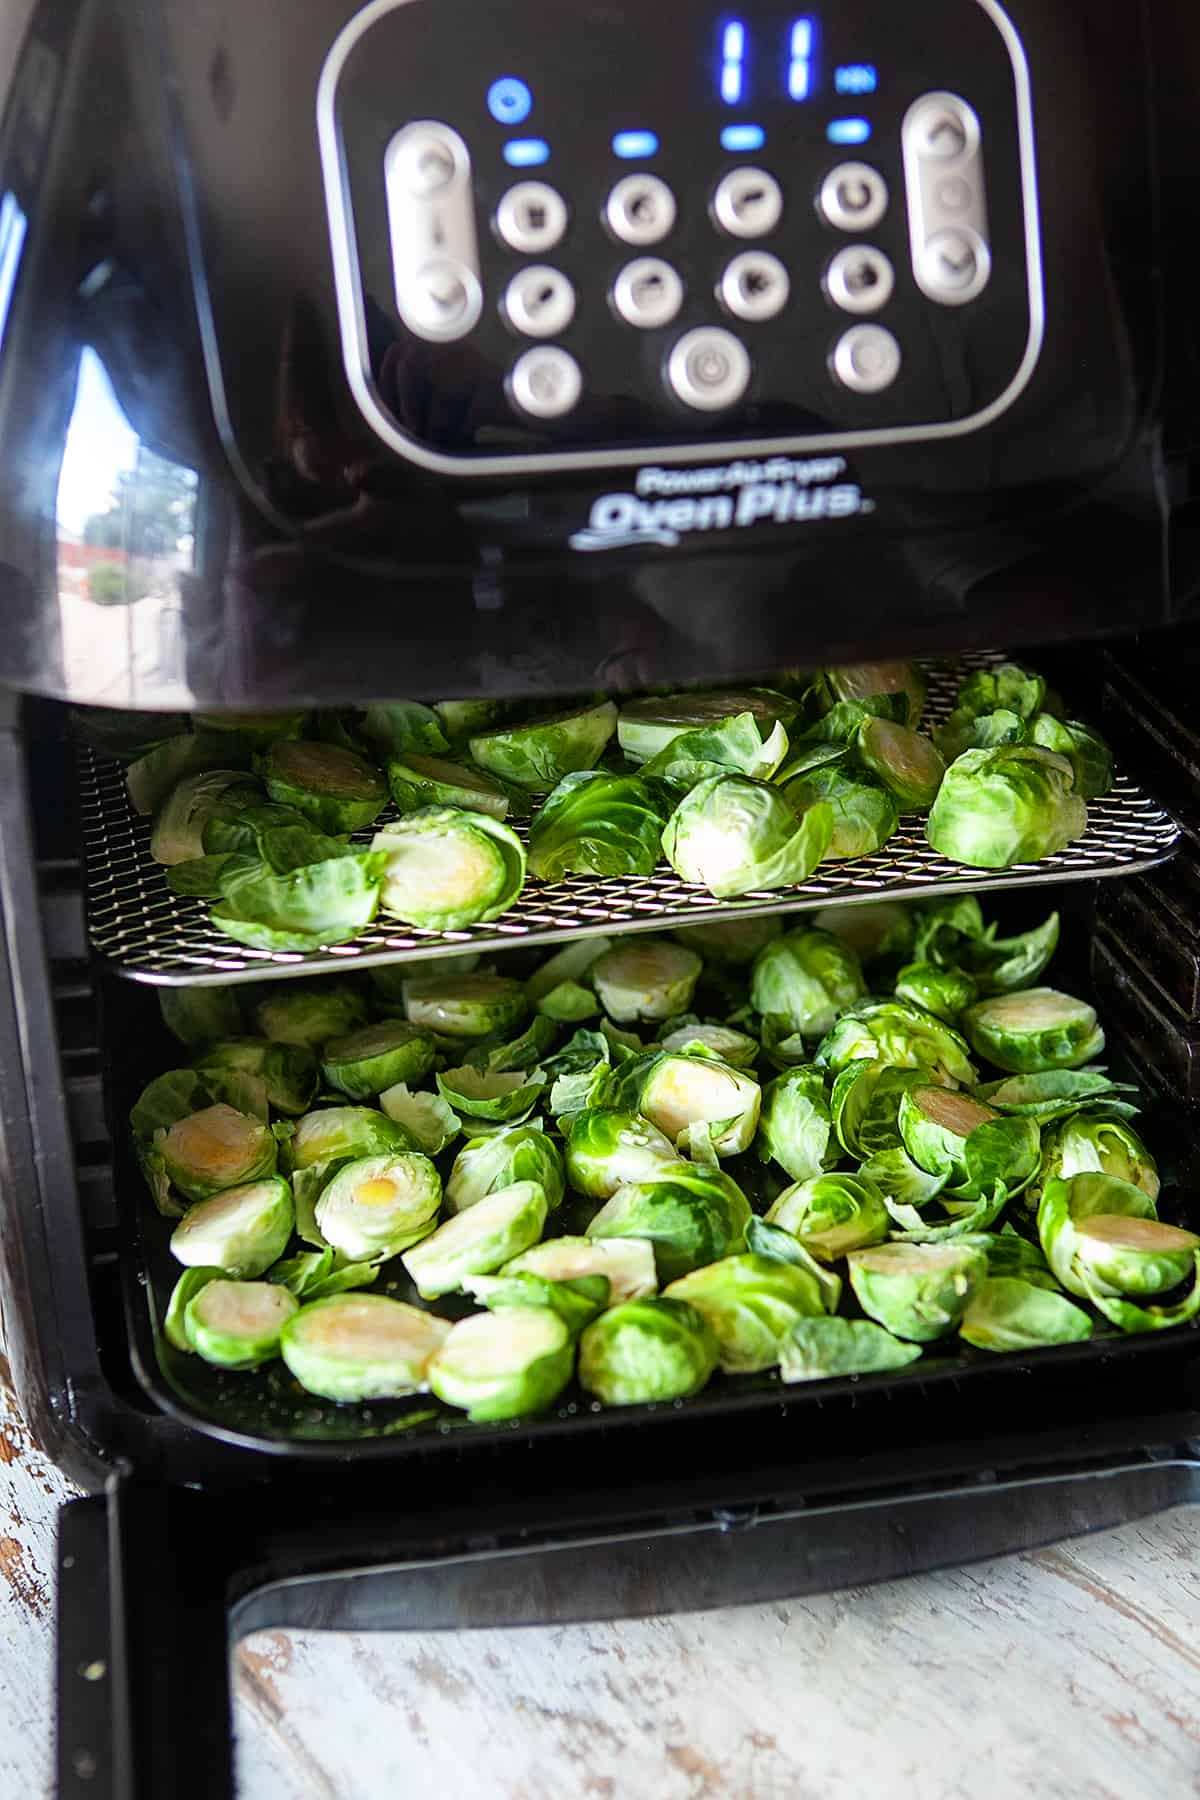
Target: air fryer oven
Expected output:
[335,475]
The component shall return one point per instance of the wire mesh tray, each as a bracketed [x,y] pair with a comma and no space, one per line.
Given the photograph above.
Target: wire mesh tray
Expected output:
[149,934]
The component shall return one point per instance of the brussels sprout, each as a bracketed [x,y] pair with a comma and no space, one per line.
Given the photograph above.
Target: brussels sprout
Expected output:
[944,992]
[478,1241]
[692,1215]
[1006,1313]
[576,1302]
[881,931]
[732,835]
[179,824]
[374,1057]
[949,1133]
[905,1186]
[459,718]
[501,1365]
[241,820]
[627,1264]
[1032,1030]
[647,727]
[867,682]
[676,1092]
[820,1349]
[466,1006]
[237,1324]
[445,869]
[151,778]
[596,823]
[917,1291]
[390,981]
[377,1206]
[361,1347]
[506,1096]
[903,1035]
[289,1074]
[1015,804]
[215,1148]
[1089,756]
[647,1350]
[803,981]
[240,1231]
[426,1117]
[417,781]
[309,1012]
[721,1042]
[521,1153]
[1057,1093]
[908,764]
[734,941]
[1089,1143]
[334,1133]
[1127,1316]
[751,1302]
[832,1214]
[184,1291]
[1066,1204]
[864,812]
[607,1148]
[774,1242]
[324,902]
[173,1098]
[395,727]
[332,787]
[734,746]
[569,965]
[538,754]
[648,979]
[1003,687]
[200,1015]
[794,1123]
[1001,965]
[865,1105]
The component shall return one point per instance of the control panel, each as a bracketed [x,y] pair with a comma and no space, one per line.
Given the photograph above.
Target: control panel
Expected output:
[677,236]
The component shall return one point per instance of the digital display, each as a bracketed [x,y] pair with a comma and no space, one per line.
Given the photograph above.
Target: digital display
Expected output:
[777,62]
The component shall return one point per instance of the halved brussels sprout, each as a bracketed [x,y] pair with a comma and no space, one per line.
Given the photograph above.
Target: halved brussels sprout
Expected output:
[521,1153]
[151,778]
[597,823]
[865,1104]
[803,981]
[459,718]
[1006,1313]
[577,1302]
[950,1134]
[361,1347]
[446,868]
[426,1117]
[478,1241]
[678,1092]
[241,1231]
[538,754]
[734,746]
[820,1349]
[377,1206]
[903,1035]
[391,981]
[501,1365]
[864,812]
[721,1042]
[184,1291]
[309,1012]
[647,727]
[466,1006]
[1090,1142]
[732,835]
[692,1215]
[647,1350]
[1089,756]
[200,1015]
[569,965]
[908,765]
[1033,1030]
[649,978]
[1015,804]
[751,1302]
[304,908]
[394,727]
[375,1057]
[1066,1206]
[865,682]
[917,1291]
[606,1148]
[1002,688]
[943,992]
[341,1132]
[416,781]
[237,1324]
[334,788]
[289,1074]
[627,1264]
[832,1214]
[734,941]
[214,1149]
[178,830]
[504,1095]
[794,1123]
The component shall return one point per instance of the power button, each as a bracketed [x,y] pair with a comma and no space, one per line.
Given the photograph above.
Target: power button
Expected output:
[709,369]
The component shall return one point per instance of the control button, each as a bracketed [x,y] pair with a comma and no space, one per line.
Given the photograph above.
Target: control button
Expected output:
[953,195]
[709,369]
[647,293]
[954,266]
[531,218]
[640,209]
[859,279]
[867,359]
[947,215]
[509,100]
[853,197]
[941,128]
[748,203]
[425,162]
[545,383]
[754,286]
[431,226]
[539,301]
[443,300]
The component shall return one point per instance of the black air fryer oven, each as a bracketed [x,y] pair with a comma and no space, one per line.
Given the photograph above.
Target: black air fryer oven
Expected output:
[431,350]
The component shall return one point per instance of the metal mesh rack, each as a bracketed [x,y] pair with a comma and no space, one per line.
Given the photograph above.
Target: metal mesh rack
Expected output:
[150,934]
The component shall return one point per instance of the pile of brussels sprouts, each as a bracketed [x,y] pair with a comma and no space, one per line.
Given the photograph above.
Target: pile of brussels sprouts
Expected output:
[740,791]
[746,1148]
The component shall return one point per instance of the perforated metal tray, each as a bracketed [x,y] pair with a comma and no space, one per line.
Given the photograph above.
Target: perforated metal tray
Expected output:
[149,934]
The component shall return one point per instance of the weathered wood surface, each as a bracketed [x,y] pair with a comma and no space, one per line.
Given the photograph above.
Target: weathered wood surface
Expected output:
[1072,1673]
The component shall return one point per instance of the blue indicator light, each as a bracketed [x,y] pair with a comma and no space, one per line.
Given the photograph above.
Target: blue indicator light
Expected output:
[509,100]
[856,78]
[800,66]
[523,153]
[630,144]
[743,137]
[733,54]
[848,131]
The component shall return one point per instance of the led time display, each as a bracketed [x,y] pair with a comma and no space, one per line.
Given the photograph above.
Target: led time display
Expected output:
[771,62]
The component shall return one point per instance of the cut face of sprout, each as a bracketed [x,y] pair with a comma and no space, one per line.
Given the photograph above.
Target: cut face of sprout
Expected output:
[362,1347]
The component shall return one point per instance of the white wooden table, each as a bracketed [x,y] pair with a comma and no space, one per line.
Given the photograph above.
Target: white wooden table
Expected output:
[1073,1672]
